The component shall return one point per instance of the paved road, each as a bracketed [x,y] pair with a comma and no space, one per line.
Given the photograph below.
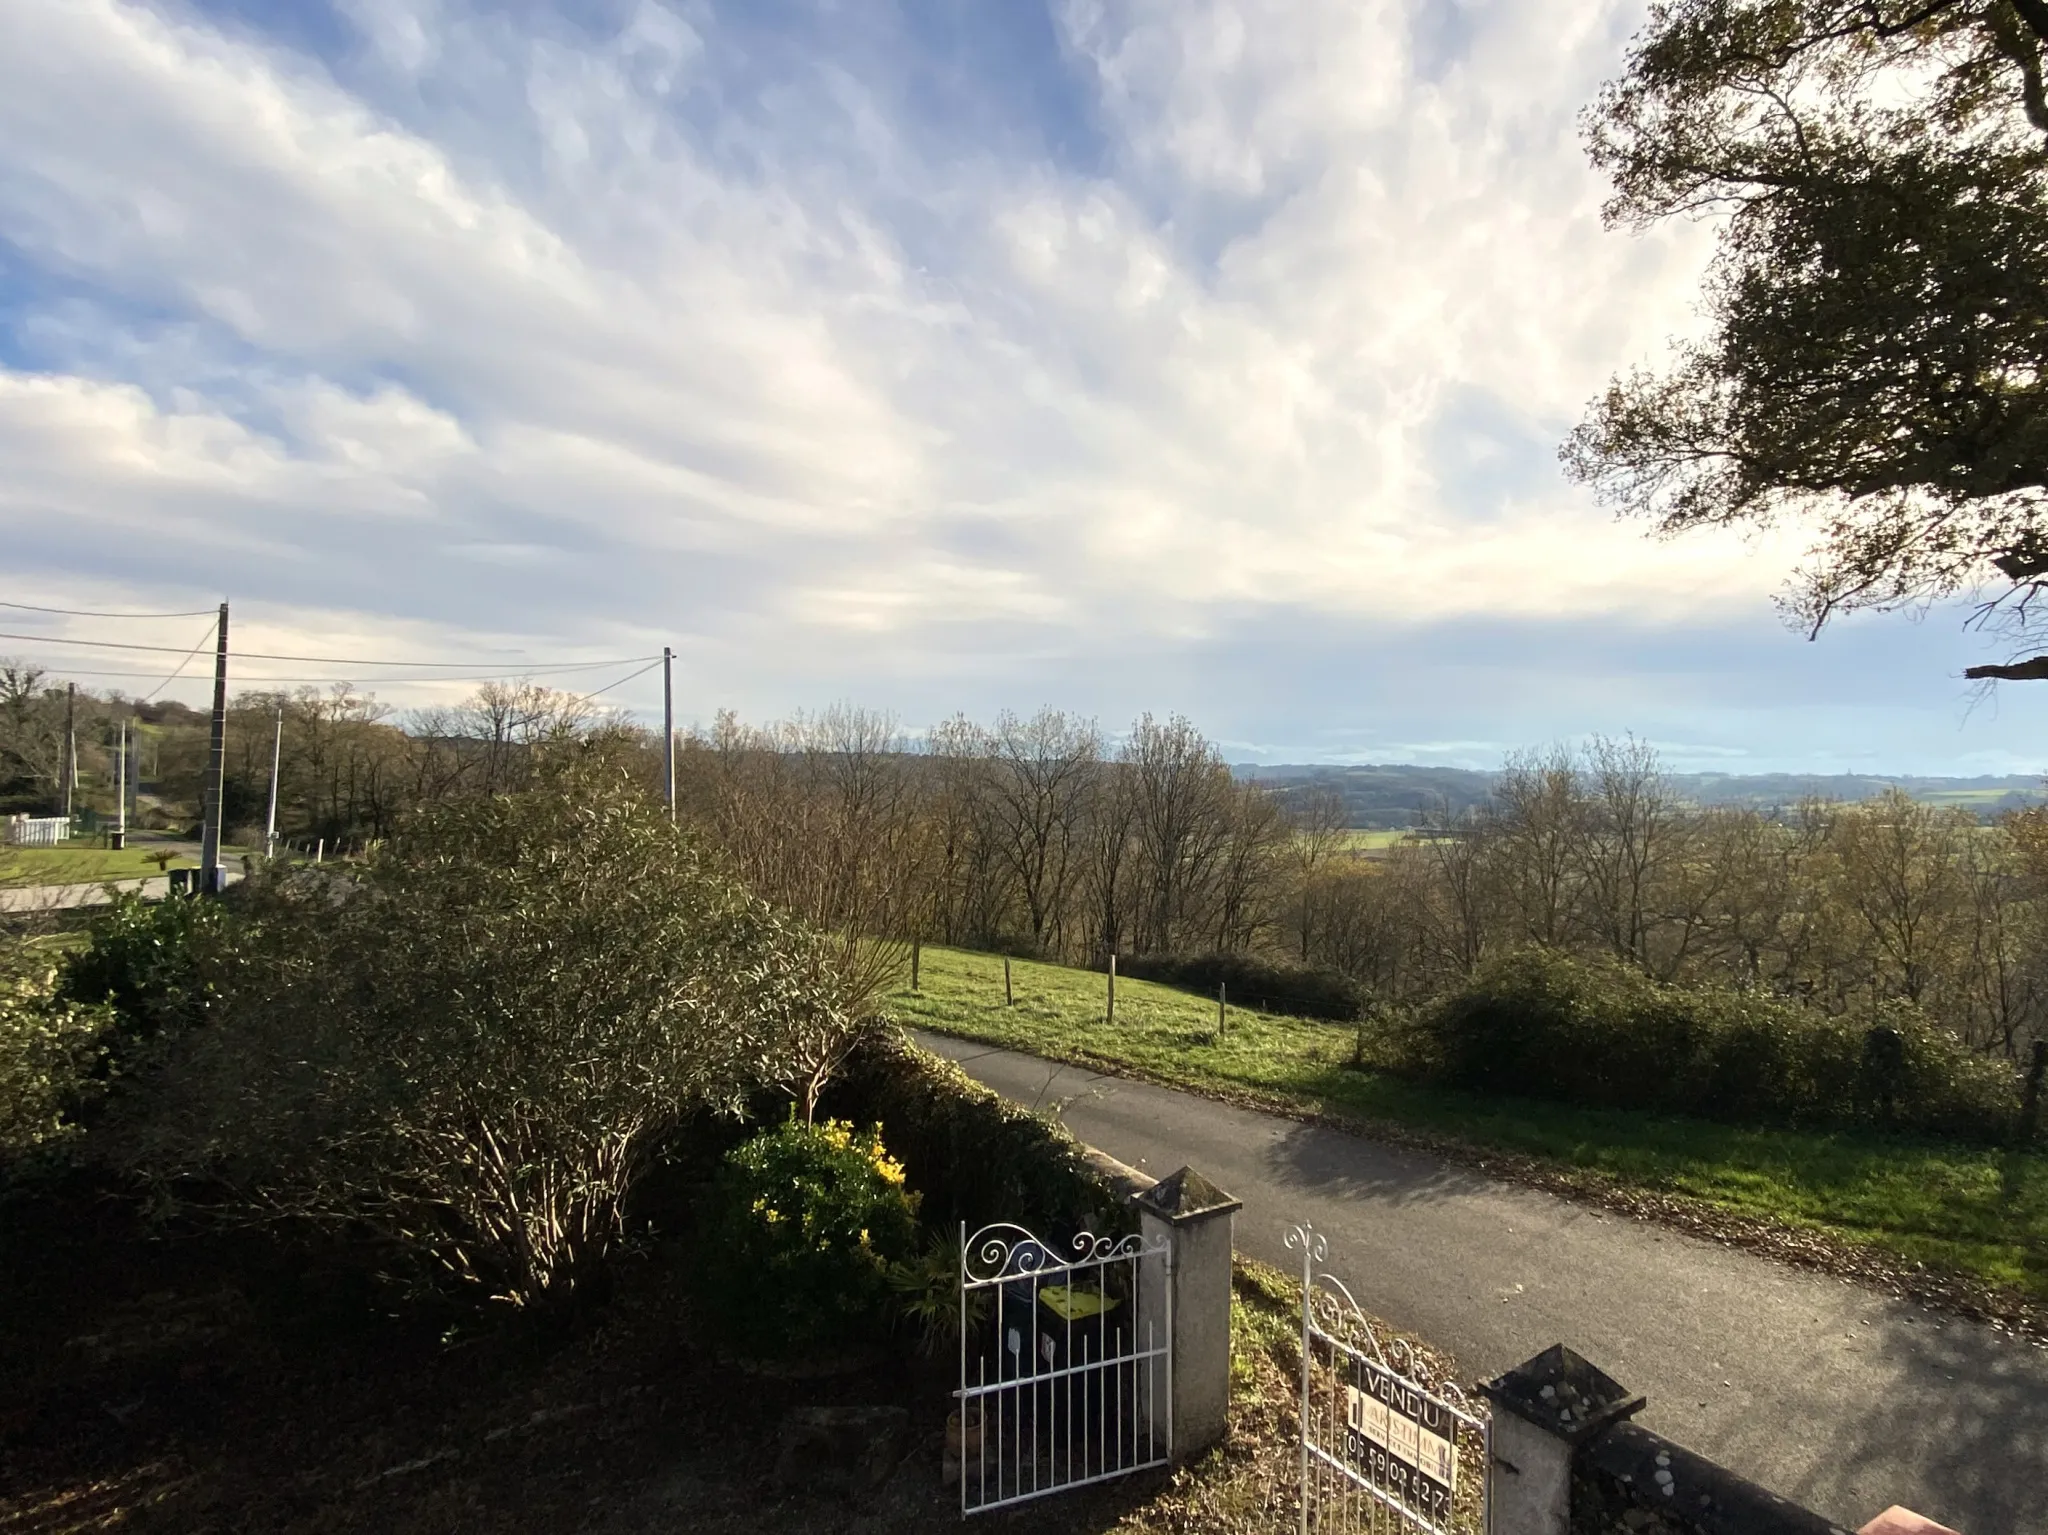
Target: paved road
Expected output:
[58,897]
[1824,1392]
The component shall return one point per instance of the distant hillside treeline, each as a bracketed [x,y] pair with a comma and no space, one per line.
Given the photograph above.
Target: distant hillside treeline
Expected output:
[1402,795]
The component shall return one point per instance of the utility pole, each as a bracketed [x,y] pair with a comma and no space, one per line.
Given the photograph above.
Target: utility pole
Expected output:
[70,750]
[120,838]
[668,734]
[270,822]
[210,793]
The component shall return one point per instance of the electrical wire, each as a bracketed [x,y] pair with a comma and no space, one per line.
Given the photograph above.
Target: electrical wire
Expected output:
[260,655]
[204,640]
[29,607]
[359,681]
[586,697]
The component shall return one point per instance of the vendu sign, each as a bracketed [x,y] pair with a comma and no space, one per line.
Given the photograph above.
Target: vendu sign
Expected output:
[1401,1439]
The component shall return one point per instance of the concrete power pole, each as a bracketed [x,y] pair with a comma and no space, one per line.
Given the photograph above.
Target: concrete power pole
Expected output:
[270,821]
[668,733]
[119,839]
[70,767]
[211,792]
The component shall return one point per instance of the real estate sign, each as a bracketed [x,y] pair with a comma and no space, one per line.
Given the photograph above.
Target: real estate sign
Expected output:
[1401,1439]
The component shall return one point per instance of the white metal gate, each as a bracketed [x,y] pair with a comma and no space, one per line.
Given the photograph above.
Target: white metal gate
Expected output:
[1384,1448]
[1066,1376]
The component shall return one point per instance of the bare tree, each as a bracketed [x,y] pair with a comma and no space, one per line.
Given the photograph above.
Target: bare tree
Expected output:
[1541,813]
[1900,876]
[1180,785]
[1460,851]
[1317,817]
[969,894]
[1255,833]
[1110,877]
[32,743]
[1628,833]
[1997,1001]
[1039,793]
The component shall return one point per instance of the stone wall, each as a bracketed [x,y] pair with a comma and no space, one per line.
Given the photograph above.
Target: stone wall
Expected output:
[1567,1461]
[1630,1481]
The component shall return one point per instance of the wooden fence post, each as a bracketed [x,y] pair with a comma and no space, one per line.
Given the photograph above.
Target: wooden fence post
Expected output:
[1219,1008]
[1009,998]
[914,946]
[1110,1017]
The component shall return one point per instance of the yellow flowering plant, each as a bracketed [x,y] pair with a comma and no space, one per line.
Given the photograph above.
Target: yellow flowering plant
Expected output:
[801,1229]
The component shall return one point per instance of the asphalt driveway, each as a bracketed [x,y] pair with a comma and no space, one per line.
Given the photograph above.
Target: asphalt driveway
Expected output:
[1822,1391]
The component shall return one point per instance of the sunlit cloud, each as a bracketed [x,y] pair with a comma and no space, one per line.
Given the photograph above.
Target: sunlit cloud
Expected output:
[978,358]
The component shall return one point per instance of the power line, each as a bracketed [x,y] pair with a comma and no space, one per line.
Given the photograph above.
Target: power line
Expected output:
[260,655]
[650,666]
[203,639]
[29,607]
[358,680]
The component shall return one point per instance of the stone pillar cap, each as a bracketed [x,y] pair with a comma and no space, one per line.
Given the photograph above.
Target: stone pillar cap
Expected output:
[1184,1197]
[1563,1394]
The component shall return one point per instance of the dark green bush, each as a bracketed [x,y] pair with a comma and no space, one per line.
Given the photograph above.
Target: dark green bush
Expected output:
[1299,991]
[476,1046]
[146,961]
[1543,1024]
[800,1231]
[971,1154]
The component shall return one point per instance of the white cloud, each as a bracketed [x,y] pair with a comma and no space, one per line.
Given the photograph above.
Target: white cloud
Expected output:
[503,327]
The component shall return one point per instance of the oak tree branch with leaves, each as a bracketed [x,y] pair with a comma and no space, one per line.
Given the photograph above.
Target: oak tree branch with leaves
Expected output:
[1878,301]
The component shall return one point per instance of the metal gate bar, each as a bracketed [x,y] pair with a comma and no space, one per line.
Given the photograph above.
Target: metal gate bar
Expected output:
[1383,1446]
[1083,1387]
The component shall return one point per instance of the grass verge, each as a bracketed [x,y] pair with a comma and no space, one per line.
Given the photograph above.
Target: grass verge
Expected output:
[1980,1213]
[1252,1481]
[77,865]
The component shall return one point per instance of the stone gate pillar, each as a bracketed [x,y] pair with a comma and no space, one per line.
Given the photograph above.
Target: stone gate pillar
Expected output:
[1193,1218]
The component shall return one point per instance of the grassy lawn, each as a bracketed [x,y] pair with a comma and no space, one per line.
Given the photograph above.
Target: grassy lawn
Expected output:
[76,865]
[1977,1210]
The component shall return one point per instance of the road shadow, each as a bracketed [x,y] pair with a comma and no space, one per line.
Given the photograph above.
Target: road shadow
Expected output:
[1339,1165]
[1966,1409]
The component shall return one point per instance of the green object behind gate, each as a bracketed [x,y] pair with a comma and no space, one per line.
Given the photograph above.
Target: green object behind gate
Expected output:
[1072,1305]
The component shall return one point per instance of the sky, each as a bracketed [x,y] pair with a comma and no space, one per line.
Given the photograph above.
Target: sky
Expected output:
[943,355]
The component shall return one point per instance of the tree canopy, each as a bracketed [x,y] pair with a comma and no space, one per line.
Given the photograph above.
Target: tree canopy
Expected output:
[1878,304]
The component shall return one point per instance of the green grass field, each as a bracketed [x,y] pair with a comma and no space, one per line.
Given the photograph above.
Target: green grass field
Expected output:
[1976,1210]
[76,865]
[1361,839]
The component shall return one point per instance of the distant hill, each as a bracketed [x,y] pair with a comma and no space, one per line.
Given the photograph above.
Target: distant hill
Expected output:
[1394,794]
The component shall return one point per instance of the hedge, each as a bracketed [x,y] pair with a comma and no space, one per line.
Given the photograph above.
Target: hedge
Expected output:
[972,1154]
[1542,1024]
[1299,991]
